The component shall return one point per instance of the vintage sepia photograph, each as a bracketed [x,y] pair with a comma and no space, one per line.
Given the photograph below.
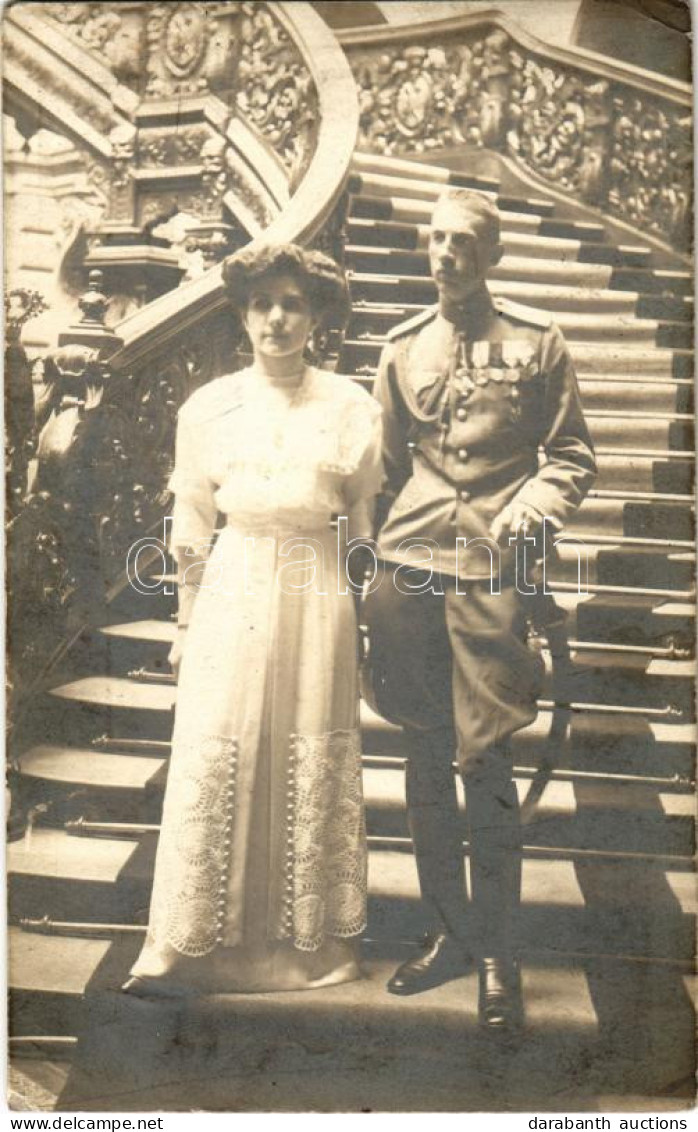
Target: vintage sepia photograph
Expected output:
[350,557]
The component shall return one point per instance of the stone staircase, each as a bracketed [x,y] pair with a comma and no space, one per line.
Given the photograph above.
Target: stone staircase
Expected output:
[605,772]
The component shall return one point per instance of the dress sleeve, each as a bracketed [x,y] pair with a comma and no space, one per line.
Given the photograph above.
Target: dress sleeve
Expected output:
[365,439]
[195,511]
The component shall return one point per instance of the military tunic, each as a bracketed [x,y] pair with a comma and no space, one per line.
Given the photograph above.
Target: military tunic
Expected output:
[467,409]
[465,416]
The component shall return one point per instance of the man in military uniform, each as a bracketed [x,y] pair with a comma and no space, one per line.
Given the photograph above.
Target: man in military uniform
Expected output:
[471,390]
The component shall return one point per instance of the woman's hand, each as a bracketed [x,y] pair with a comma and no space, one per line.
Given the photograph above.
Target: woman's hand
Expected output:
[175,655]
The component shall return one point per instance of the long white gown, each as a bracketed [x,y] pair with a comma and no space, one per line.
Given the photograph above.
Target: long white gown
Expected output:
[260,876]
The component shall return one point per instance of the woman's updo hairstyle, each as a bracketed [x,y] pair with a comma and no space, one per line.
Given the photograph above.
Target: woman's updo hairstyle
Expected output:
[318,276]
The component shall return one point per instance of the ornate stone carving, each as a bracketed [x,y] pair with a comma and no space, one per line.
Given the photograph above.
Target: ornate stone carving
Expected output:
[220,174]
[103,31]
[58,561]
[178,145]
[214,181]
[276,92]
[191,47]
[414,99]
[651,167]
[157,208]
[547,116]
[594,138]
[122,192]
[184,39]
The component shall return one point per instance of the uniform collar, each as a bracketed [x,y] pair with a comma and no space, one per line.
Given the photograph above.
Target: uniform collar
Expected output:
[472,316]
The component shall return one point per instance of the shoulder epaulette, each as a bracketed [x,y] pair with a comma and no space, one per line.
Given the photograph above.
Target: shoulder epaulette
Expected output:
[213,399]
[520,313]
[412,324]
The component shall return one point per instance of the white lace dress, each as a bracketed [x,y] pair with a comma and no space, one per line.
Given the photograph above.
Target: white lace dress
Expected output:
[260,877]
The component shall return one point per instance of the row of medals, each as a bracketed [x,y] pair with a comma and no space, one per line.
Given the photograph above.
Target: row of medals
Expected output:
[515,367]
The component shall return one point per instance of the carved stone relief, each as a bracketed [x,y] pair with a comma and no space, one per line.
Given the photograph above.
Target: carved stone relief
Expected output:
[276,93]
[178,145]
[166,50]
[191,47]
[122,189]
[596,139]
[651,167]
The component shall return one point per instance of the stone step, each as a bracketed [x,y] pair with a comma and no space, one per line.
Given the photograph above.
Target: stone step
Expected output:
[59,877]
[650,519]
[526,253]
[422,171]
[376,318]
[375,287]
[633,619]
[599,742]
[107,879]
[628,360]
[48,979]
[614,741]
[626,618]
[619,470]
[652,568]
[616,678]
[389,186]
[66,974]
[89,782]
[550,283]
[404,223]
[607,815]
[413,212]
[439,174]
[354,1048]
[659,395]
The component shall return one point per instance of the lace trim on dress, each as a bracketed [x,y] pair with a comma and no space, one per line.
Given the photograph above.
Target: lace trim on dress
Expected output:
[325,864]
[189,898]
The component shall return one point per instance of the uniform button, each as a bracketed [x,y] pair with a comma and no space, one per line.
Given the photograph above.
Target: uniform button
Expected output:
[461,414]
[463,454]
[464,496]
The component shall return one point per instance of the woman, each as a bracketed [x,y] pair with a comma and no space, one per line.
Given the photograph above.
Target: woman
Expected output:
[260,878]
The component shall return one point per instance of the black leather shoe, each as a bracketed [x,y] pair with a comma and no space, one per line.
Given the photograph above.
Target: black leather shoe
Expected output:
[443,960]
[500,1006]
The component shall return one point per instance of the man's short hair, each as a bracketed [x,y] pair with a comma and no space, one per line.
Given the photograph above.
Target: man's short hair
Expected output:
[474,204]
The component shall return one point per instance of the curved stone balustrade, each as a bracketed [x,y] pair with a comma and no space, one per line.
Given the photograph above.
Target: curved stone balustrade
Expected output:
[213,111]
[615,136]
[318,192]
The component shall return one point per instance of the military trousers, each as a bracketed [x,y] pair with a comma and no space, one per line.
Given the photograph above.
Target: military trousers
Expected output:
[455,671]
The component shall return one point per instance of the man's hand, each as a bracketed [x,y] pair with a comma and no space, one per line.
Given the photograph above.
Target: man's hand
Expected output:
[515,519]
